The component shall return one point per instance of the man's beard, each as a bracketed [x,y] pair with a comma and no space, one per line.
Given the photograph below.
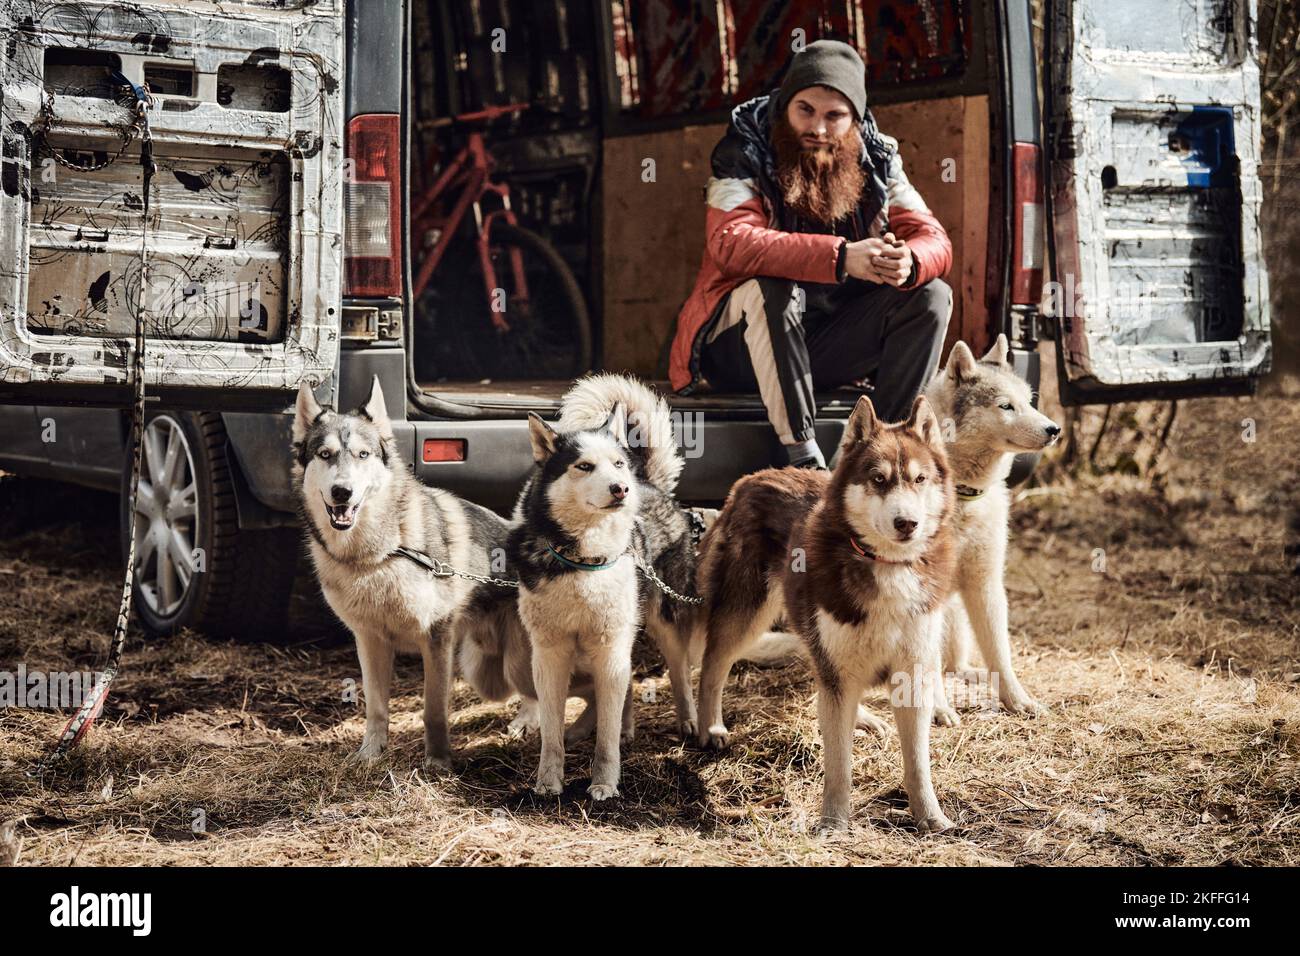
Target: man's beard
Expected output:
[822,184]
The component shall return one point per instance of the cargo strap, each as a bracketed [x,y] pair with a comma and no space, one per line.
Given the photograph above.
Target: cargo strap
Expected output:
[93,704]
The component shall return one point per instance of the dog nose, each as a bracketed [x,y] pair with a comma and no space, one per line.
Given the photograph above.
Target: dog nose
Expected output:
[341,494]
[905,526]
[1052,430]
[618,490]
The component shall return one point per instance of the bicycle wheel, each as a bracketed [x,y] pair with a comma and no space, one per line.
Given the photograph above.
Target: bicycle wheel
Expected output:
[549,334]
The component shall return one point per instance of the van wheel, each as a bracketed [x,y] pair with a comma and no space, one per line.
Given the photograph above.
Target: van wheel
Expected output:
[194,567]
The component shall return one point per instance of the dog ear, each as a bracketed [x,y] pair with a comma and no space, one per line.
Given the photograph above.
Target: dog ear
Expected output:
[862,423]
[305,412]
[375,410]
[961,362]
[543,438]
[616,424]
[997,355]
[925,424]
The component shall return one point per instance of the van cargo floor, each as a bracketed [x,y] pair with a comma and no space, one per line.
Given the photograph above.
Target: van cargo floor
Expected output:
[519,395]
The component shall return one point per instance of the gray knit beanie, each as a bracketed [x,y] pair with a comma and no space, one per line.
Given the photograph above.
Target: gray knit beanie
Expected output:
[826,63]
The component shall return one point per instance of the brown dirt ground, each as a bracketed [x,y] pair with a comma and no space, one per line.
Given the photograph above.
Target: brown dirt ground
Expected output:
[1173,735]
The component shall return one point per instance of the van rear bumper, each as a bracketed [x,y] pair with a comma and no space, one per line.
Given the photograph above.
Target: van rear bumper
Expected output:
[498,457]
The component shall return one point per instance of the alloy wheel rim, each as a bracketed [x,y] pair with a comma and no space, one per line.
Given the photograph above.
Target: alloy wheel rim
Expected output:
[166,525]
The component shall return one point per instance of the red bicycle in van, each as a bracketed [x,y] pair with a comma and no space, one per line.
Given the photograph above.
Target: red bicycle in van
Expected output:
[531,317]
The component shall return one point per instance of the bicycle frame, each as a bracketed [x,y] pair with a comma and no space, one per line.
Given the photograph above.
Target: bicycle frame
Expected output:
[468,173]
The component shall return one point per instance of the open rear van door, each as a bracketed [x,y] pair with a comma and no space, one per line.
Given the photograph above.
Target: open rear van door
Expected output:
[244,223]
[1153,128]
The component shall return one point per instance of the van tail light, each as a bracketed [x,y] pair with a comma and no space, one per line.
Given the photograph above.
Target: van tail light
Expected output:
[1027,224]
[372,199]
[443,449]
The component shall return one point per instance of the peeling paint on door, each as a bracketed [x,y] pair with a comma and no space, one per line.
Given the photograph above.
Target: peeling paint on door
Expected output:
[245,213]
[1154,149]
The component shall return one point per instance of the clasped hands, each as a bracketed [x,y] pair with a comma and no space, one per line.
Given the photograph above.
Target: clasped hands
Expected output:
[886,260]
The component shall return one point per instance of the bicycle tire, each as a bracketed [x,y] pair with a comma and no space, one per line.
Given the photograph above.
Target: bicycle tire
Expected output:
[581,321]
[463,343]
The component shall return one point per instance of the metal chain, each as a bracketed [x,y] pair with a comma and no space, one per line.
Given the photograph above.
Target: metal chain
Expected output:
[441,569]
[47,117]
[649,572]
[437,568]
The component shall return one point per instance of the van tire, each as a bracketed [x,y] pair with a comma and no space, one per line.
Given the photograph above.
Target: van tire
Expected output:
[241,589]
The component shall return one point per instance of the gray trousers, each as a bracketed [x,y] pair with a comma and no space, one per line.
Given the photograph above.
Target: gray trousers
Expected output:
[779,338]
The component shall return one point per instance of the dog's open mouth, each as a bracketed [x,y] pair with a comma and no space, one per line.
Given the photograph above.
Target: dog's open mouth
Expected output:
[343,517]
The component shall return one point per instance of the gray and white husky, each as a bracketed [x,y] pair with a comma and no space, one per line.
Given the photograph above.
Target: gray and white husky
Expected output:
[598,504]
[360,504]
[987,417]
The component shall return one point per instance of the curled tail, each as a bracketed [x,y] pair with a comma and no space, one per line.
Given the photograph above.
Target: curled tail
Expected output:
[649,423]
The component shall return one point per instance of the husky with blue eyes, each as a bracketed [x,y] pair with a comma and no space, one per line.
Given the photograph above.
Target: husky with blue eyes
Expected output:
[598,509]
[373,533]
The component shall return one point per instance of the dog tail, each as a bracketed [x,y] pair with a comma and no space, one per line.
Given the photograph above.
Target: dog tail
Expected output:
[772,649]
[775,647]
[483,653]
[649,423]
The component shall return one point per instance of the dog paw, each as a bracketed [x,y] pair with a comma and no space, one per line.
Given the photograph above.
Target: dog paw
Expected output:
[870,723]
[935,822]
[438,766]
[946,717]
[627,735]
[1023,704]
[688,728]
[602,791]
[368,753]
[548,788]
[716,737]
[831,825]
[521,728]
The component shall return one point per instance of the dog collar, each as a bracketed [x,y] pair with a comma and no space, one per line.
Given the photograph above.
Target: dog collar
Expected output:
[598,565]
[967,493]
[871,555]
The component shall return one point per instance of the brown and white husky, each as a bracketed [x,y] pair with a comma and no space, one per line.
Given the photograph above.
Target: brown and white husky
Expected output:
[860,563]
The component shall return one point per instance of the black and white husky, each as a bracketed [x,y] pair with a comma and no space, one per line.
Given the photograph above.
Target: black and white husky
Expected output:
[370,524]
[598,509]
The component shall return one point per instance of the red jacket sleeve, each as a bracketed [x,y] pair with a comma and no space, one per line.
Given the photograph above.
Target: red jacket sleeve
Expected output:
[742,245]
[911,220]
[928,240]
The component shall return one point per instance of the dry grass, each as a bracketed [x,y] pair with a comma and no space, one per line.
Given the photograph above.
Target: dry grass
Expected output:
[1173,735]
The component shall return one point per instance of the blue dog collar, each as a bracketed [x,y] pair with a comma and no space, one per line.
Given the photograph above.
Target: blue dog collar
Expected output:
[579,565]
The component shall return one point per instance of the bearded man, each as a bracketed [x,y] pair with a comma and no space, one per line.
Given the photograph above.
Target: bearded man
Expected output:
[822,264]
